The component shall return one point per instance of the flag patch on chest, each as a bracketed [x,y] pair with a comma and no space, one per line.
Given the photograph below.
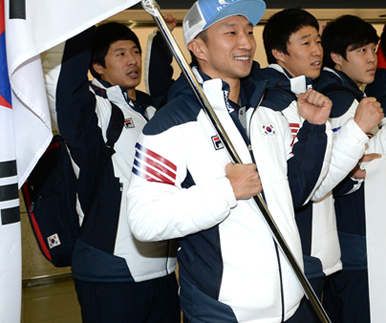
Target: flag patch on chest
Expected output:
[129,123]
[268,129]
[217,143]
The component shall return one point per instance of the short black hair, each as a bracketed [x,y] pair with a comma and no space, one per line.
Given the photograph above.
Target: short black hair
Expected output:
[346,33]
[103,37]
[281,26]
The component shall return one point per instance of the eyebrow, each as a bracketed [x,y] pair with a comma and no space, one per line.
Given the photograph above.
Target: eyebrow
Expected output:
[124,48]
[305,36]
[229,24]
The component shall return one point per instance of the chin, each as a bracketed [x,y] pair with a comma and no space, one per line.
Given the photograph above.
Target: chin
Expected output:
[245,74]
[132,85]
[366,81]
[314,75]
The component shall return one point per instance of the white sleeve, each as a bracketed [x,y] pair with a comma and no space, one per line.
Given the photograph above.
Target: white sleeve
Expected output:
[348,147]
[158,207]
[377,143]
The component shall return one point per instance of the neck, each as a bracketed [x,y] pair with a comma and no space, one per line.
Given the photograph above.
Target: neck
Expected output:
[131,94]
[284,67]
[234,91]
[339,68]
[234,83]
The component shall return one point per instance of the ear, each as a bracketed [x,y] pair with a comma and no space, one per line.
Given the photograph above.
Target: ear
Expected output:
[279,55]
[337,58]
[198,47]
[98,68]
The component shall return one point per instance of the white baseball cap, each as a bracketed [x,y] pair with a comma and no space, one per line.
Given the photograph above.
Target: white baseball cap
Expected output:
[205,13]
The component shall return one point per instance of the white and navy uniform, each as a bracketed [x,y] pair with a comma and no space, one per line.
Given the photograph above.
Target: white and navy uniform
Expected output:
[316,221]
[344,106]
[350,208]
[106,251]
[230,267]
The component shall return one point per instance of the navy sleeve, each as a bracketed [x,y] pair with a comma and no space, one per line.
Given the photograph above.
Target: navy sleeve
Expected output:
[75,105]
[342,102]
[278,99]
[306,164]
[160,73]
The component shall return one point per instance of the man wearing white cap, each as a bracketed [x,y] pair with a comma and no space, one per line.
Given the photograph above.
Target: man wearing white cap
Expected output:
[185,187]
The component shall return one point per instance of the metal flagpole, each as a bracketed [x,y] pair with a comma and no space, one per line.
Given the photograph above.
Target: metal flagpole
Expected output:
[151,6]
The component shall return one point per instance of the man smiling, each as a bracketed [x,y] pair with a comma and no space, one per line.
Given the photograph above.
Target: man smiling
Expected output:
[184,185]
[294,51]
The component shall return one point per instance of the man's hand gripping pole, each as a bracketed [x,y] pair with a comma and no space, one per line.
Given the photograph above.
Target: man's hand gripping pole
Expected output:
[153,9]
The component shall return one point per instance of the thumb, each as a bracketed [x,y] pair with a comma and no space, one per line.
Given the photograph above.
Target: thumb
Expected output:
[304,96]
[370,157]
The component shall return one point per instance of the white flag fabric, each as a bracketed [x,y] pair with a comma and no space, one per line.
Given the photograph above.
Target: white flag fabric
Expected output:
[31,27]
[10,229]
[375,193]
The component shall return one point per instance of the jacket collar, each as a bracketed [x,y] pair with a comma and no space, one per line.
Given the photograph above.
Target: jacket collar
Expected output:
[295,85]
[118,95]
[252,86]
[331,77]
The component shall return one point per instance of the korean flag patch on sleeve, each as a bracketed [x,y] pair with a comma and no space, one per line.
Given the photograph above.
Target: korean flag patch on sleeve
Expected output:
[268,129]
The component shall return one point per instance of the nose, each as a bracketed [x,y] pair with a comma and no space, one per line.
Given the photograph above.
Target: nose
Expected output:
[247,41]
[131,59]
[372,57]
[317,49]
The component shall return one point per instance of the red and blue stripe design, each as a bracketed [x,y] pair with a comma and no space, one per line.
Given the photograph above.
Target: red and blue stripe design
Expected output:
[5,88]
[153,167]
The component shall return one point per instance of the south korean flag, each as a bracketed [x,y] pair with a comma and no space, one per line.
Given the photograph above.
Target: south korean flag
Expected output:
[268,129]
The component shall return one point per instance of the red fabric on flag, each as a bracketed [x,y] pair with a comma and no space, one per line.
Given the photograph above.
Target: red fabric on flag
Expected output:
[381,58]
[381,54]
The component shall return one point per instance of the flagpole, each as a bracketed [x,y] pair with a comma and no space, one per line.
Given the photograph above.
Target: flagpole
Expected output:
[153,9]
